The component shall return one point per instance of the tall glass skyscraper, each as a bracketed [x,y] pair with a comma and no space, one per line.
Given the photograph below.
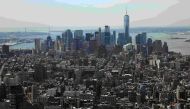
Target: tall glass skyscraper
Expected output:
[49,43]
[68,39]
[107,35]
[78,34]
[126,26]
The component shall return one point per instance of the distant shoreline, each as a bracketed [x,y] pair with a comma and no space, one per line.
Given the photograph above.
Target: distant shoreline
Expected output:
[177,38]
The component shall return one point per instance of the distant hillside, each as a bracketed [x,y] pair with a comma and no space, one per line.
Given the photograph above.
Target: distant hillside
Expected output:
[171,16]
[10,23]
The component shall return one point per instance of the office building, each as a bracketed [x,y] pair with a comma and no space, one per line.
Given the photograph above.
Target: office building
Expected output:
[16,96]
[126,27]
[165,47]
[37,45]
[141,39]
[107,35]
[2,92]
[5,49]
[98,36]
[92,46]
[149,46]
[77,44]
[113,39]
[67,39]
[121,39]
[141,43]
[58,46]
[40,73]
[88,36]
[49,43]
[78,39]
[157,46]
[78,34]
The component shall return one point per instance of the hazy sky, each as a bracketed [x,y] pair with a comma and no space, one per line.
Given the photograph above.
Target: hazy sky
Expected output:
[82,12]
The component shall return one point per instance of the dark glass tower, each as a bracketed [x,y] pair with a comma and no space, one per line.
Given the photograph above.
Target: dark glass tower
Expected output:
[68,39]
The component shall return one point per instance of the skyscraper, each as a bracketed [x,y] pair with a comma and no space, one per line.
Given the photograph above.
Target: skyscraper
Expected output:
[49,43]
[141,39]
[2,91]
[165,47]
[113,38]
[107,29]
[40,73]
[141,43]
[16,96]
[126,27]
[107,35]
[121,39]
[77,44]
[78,39]
[68,39]
[5,49]
[92,46]
[98,36]
[88,36]
[157,46]
[37,45]
[149,46]
[78,34]
[58,44]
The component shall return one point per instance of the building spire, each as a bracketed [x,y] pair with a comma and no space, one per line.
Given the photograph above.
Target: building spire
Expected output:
[126,8]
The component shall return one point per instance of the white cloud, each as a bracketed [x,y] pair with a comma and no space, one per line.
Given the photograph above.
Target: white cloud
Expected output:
[101,15]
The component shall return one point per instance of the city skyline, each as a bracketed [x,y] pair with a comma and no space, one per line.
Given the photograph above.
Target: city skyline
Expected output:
[61,13]
[52,57]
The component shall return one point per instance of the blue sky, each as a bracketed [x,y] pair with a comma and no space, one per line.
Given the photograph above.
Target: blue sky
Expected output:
[85,3]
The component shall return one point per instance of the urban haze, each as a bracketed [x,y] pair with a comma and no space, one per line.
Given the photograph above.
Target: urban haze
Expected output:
[94,54]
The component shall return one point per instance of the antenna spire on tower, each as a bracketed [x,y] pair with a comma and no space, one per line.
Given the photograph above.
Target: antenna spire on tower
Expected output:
[126,10]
